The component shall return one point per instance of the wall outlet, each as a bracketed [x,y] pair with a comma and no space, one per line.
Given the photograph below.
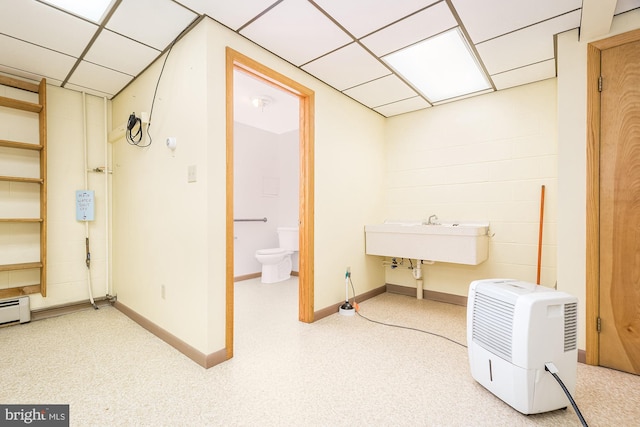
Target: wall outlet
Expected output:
[162,291]
[144,117]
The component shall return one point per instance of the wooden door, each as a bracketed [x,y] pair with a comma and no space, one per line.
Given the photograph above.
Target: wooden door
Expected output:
[619,340]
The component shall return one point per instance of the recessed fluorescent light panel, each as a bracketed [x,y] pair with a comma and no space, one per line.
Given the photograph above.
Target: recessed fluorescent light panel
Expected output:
[441,67]
[92,10]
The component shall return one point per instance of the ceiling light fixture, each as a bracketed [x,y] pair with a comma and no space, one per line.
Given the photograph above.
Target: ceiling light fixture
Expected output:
[261,101]
[441,67]
[93,10]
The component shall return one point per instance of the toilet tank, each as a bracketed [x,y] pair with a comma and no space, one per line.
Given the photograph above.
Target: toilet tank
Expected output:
[288,238]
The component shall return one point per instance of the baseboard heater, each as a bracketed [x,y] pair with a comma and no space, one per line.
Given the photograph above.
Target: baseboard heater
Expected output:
[14,310]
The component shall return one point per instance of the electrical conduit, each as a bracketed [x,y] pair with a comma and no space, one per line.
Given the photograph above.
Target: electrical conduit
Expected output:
[86,187]
[106,198]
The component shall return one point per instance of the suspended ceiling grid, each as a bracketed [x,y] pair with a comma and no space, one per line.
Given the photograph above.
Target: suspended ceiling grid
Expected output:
[342,43]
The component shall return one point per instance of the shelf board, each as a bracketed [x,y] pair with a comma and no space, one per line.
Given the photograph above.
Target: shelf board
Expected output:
[20,105]
[21,179]
[21,266]
[21,145]
[20,84]
[19,291]
[20,219]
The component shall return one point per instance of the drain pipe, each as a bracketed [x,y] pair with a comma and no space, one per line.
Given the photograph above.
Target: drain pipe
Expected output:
[86,187]
[417,274]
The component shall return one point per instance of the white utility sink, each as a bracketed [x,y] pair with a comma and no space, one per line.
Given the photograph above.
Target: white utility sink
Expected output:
[460,243]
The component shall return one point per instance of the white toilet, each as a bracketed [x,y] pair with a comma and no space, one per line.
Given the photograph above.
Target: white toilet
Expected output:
[276,262]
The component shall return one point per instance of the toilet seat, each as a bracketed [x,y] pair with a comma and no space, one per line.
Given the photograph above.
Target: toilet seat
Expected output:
[272,251]
[276,262]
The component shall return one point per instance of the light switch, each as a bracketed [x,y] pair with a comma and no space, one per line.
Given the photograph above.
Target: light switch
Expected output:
[192,173]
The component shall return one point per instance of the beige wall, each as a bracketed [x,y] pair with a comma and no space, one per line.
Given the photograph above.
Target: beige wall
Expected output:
[168,231]
[572,151]
[479,159]
[160,220]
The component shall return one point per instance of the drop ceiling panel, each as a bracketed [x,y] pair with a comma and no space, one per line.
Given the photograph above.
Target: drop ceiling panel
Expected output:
[468,95]
[531,73]
[297,32]
[347,67]
[153,22]
[45,26]
[102,79]
[362,17]
[382,91]
[13,72]
[114,51]
[526,46]
[401,107]
[490,18]
[88,90]
[415,28]
[34,59]
[228,12]
[626,5]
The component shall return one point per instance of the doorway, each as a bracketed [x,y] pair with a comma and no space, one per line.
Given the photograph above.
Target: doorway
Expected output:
[236,60]
[266,173]
[613,198]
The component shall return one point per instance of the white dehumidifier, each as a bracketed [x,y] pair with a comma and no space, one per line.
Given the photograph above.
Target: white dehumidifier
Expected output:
[514,328]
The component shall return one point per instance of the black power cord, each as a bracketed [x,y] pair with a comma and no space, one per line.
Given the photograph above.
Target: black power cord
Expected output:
[134,136]
[551,368]
[153,101]
[397,326]
[134,124]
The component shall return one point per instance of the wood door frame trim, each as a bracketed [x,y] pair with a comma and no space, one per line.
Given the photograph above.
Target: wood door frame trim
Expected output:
[235,59]
[594,51]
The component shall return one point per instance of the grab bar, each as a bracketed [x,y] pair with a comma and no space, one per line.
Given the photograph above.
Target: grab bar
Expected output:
[250,219]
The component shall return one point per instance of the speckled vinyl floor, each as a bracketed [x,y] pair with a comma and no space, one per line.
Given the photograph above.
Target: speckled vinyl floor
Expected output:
[338,371]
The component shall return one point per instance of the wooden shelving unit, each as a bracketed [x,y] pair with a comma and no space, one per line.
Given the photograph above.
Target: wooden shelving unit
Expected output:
[39,108]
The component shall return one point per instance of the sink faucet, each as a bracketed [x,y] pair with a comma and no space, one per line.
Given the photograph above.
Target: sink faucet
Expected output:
[432,220]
